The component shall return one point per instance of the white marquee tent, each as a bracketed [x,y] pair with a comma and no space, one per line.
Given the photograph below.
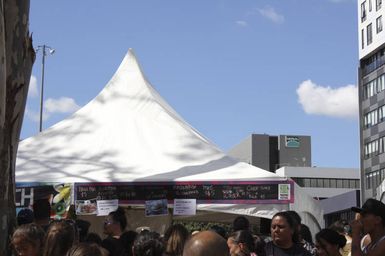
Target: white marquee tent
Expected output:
[129,133]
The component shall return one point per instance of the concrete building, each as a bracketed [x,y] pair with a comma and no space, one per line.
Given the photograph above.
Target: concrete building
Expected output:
[322,183]
[339,207]
[336,188]
[371,84]
[290,156]
[272,152]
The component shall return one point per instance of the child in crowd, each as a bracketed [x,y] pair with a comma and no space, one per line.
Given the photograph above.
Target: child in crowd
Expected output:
[28,240]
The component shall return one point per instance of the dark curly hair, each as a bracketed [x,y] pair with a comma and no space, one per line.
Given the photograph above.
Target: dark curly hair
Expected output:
[331,236]
[148,243]
[119,216]
[293,224]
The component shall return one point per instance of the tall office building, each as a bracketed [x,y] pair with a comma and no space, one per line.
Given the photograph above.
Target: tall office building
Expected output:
[272,152]
[371,84]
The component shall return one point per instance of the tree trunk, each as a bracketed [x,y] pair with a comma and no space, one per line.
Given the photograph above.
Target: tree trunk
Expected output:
[16,57]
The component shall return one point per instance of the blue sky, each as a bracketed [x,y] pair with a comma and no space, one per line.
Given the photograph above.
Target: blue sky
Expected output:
[230,68]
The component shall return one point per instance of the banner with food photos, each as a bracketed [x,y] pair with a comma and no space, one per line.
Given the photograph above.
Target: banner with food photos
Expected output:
[57,194]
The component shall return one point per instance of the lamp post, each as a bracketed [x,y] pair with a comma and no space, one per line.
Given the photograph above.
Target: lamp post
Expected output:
[51,51]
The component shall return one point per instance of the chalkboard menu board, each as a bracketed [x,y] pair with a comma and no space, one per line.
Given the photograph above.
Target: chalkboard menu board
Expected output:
[203,192]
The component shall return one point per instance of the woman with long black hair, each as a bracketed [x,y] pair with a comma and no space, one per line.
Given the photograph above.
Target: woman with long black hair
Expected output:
[285,239]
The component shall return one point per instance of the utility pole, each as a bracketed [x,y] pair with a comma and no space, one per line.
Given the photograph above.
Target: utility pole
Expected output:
[51,51]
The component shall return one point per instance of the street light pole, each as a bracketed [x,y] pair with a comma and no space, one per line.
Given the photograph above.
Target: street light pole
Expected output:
[51,51]
[42,90]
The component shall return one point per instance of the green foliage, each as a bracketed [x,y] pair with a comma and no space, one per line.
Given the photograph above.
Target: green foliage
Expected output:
[201,226]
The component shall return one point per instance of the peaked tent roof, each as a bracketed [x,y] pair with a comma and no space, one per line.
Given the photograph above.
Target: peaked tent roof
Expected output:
[126,133]
[129,133]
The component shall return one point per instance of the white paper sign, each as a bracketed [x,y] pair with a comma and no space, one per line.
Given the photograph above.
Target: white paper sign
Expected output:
[107,206]
[283,191]
[185,206]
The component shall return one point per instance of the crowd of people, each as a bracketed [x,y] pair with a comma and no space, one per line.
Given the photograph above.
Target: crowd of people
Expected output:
[37,235]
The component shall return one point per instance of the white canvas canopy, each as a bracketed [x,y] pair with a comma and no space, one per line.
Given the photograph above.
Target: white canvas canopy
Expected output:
[129,133]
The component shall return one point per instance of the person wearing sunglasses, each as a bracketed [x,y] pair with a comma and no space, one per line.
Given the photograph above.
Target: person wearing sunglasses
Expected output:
[114,226]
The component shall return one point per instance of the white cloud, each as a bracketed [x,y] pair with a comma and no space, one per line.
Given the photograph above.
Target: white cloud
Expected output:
[269,13]
[35,116]
[32,90]
[61,105]
[241,23]
[51,106]
[320,100]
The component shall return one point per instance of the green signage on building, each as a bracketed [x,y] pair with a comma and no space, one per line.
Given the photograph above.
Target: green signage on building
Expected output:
[292,142]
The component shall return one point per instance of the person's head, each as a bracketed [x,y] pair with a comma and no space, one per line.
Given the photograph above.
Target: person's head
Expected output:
[341,226]
[297,220]
[148,243]
[206,243]
[283,230]
[27,240]
[115,223]
[93,238]
[82,226]
[241,241]
[306,234]
[329,242]
[86,249]
[127,239]
[219,230]
[60,237]
[241,223]
[25,216]
[41,210]
[175,237]
[372,215]
[295,216]
[259,244]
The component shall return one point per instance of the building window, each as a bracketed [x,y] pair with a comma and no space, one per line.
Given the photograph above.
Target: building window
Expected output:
[362,38]
[369,35]
[339,183]
[373,179]
[370,5]
[299,181]
[363,11]
[352,184]
[370,89]
[373,62]
[327,183]
[375,86]
[381,144]
[369,178]
[381,83]
[371,119]
[378,4]
[381,113]
[313,183]
[379,24]
[346,183]
[371,149]
[377,178]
